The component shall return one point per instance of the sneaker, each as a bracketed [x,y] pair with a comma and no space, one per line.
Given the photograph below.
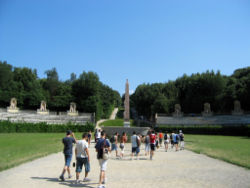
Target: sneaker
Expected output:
[62,178]
[86,179]
[77,181]
[101,186]
[70,176]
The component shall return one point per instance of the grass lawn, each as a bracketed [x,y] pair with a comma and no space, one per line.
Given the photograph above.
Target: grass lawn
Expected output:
[115,123]
[233,149]
[17,148]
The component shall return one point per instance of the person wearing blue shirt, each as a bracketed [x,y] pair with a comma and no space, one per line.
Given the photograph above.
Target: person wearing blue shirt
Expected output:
[102,146]
[68,146]
[176,141]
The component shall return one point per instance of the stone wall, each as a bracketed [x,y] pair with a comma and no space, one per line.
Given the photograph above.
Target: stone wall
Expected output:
[209,120]
[52,118]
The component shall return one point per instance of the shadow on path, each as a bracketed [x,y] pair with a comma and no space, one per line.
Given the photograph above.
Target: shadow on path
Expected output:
[70,183]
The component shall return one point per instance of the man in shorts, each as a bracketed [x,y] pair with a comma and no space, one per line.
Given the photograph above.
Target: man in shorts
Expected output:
[176,140]
[147,143]
[122,143]
[152,137]
[68,146]
[160,138]
[166,141]
[135,140]
[114,143]
[82,158]
[101,146]
[181,135]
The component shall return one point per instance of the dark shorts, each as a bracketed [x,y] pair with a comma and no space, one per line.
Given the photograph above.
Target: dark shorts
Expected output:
[160,140]
[136,150]
[175,143]
[80,162]
[67,159]
[152,146]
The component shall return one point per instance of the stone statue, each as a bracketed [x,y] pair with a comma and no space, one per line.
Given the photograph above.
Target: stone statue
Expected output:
[126,106]
[13,103]
[237,108]
[72,109]
[43,108]
[177,111]
[207,110]
[13,106]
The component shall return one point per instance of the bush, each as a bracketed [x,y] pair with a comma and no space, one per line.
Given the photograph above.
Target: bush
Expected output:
[9,127]
[243,130]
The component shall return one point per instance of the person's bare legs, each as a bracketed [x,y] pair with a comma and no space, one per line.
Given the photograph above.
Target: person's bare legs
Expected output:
[68,171]
[176,147]
[77,175]
[86,174]
[102,177]
[151,154]
[64,170]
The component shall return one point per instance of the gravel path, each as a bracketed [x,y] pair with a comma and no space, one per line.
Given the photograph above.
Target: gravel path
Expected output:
[167,169]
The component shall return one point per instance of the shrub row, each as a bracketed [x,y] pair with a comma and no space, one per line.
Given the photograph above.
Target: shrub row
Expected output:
[9,127]
[243,130]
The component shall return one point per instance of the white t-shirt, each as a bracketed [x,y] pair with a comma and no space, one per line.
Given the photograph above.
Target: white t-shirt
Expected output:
[80,148]
[98,135]
[133,140]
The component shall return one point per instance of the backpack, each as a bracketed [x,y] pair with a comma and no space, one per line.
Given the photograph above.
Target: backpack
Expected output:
[112,139]
[177,138]
[103,151]
[165,137]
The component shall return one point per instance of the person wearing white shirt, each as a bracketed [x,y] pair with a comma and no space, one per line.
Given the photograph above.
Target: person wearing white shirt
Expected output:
[82,157]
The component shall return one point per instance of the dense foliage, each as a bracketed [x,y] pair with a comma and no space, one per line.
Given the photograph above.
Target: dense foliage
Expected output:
[89,93]
[191,92]
[9,127]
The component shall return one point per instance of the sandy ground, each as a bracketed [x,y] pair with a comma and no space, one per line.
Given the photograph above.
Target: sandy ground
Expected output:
[167,169]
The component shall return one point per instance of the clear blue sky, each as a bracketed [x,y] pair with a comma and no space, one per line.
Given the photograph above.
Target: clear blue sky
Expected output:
[145,41]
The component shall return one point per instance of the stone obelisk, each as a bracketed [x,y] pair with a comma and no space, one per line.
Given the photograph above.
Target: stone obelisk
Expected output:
[126,106]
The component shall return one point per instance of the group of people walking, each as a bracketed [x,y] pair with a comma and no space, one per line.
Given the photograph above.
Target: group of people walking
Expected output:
[104,146]
[152,142]
[83,157]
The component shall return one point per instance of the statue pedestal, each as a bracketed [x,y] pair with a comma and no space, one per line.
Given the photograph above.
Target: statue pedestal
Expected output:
[126,124]
[12,110]
[42,112]
[72,113]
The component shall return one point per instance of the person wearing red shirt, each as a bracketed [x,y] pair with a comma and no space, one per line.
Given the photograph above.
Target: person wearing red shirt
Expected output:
[152,137]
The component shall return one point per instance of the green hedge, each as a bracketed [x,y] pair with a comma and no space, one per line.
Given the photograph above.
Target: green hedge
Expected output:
[9,127]
[243,130]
